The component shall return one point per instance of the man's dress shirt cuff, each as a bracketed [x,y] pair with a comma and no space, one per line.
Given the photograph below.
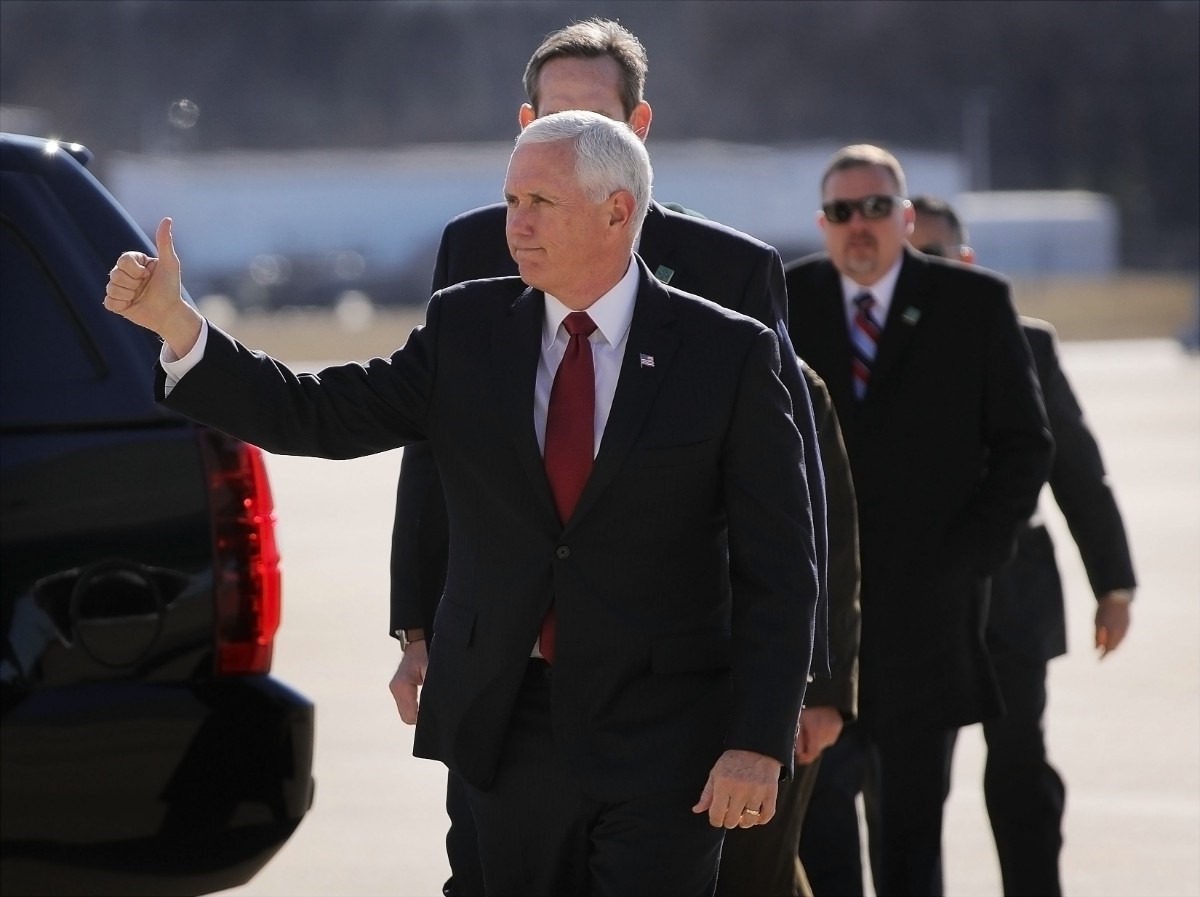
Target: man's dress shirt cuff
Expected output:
[175,367]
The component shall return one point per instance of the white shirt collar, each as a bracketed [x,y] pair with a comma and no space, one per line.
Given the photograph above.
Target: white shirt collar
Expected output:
[881,289]
[612,312]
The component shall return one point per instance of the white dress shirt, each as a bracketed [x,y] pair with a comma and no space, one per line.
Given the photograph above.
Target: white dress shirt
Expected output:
[612,314]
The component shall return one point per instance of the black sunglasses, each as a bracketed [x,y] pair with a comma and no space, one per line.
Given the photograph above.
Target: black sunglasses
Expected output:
[872,208]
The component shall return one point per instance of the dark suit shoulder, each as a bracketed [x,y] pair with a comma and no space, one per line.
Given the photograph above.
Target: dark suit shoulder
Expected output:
[969,276]
[810,277]
[699,228]
[812,272]
[689,306]
[467,290]
[479,298]
[1037,329]
[808,264]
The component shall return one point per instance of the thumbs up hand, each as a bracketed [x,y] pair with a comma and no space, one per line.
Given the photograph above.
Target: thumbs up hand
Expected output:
[148,291]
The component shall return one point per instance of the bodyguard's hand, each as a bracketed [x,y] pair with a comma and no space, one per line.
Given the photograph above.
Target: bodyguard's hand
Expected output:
[1112,621]
[741,790]
[148,291]
[408,679]
[819,728]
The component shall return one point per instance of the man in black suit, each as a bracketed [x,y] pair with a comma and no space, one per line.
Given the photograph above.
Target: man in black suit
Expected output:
[599,66]
[1027,626]
[625,634]
[948,446]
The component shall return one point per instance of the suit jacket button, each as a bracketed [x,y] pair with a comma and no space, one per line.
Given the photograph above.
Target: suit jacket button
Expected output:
[562,552]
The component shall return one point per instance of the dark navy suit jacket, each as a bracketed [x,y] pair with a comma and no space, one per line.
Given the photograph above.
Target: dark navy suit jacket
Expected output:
[1027,612]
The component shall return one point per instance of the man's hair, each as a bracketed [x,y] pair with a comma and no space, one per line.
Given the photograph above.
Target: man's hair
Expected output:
[939,208]
[864,155]
[608,155]
[592,39]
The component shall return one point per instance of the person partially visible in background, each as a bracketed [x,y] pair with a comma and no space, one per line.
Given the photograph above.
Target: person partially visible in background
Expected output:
[1026,625]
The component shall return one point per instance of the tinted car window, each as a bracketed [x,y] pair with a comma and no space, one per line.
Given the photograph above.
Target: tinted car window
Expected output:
[108,363]
[49,349]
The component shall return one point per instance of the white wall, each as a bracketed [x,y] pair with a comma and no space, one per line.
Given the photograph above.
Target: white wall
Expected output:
[391,206]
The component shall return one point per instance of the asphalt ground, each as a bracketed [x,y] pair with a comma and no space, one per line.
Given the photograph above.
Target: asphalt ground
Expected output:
[1124,731]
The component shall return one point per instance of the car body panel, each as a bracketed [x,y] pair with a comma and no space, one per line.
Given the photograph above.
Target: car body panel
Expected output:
[127,764]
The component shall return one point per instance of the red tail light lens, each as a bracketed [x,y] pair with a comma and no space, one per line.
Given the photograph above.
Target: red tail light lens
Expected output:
[248,591]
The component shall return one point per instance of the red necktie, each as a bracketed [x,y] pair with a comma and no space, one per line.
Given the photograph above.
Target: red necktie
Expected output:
[865,337]
[570,434]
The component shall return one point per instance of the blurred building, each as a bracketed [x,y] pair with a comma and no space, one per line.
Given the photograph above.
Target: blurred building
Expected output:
[1039,233]
[306,227]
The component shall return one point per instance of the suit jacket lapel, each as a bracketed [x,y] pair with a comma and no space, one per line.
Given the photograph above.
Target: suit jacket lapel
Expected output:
[516,351]
[904,316]
[648,352]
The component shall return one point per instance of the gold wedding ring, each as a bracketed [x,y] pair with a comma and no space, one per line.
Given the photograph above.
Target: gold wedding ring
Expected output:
[749,812]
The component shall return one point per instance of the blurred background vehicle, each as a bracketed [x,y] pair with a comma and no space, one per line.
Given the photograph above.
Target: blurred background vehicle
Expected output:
[144,746]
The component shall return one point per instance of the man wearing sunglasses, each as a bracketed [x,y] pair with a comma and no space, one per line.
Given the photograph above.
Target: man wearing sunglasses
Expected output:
[1026,626]
[949,447]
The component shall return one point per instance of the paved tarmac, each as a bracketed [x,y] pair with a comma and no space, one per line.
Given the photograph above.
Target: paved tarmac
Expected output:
[1125,731]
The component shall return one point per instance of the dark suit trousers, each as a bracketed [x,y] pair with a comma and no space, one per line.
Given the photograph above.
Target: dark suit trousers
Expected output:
[830,847]
[540,833]
[911,770]
[462,843]
[764,861]
[1025,795]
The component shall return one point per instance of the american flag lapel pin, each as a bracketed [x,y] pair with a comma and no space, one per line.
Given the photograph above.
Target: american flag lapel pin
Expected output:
[647,361]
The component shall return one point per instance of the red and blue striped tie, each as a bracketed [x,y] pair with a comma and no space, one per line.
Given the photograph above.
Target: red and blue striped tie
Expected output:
[865,338]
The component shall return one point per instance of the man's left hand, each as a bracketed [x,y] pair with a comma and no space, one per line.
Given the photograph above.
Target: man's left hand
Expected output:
[741,790]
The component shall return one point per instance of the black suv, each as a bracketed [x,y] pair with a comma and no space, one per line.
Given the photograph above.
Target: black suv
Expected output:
[144,748]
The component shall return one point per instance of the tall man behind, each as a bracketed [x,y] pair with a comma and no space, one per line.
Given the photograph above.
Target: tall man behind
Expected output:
[948,446]
[659,565]
[596,65]
[1026,625]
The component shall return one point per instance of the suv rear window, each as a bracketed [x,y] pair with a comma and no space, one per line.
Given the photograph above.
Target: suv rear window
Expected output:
[50,350]
[70,363]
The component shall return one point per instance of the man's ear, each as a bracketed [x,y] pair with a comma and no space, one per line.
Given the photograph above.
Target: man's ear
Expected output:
[621,208]
[639,121]
[966,255]
[525,115]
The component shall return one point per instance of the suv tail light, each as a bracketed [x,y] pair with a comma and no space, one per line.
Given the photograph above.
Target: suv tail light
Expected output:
[247,557]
